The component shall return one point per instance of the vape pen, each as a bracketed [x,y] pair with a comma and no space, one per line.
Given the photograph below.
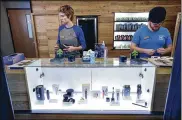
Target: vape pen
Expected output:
[139,91]
[113,93]
[139,105]
[48,95]
[112,99]
[117,96]
[85,93]
[103,93]
[106,92]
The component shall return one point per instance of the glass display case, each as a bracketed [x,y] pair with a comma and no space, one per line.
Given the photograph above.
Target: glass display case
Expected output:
[125,25]
[102,87]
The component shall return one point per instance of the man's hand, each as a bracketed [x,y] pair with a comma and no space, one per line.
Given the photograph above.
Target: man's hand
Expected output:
[161,51]
[149,51]
[69,48]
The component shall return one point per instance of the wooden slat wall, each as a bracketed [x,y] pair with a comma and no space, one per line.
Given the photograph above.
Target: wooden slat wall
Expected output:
[18,90]
[46,25]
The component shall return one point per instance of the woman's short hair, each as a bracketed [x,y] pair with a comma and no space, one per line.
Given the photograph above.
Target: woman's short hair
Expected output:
[67,10]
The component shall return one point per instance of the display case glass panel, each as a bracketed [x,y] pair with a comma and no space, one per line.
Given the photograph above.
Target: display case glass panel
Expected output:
[102,87]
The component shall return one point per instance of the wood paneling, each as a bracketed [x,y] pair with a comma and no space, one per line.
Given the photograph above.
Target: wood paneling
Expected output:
[176,31]
[18,89]
[160,94]
[46,18]
[85,117]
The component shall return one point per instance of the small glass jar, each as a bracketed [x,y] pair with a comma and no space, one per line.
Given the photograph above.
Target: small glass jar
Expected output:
[71,58]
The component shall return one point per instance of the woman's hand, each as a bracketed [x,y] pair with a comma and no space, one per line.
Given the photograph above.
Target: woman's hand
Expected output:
[70,48]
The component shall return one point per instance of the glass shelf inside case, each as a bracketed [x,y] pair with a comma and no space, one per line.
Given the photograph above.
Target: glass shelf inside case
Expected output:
[103,87]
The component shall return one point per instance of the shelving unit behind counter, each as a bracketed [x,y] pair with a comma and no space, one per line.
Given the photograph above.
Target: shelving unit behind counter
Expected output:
[125,25]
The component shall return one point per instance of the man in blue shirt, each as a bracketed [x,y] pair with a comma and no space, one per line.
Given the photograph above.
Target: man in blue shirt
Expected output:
[70,37]
[150,40]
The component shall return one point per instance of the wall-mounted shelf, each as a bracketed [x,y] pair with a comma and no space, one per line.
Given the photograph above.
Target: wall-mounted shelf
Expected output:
[123,40]
[125,25]
[132,21]
[124,31]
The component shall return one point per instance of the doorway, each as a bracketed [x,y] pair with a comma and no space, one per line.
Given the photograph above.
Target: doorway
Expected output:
[89,25]
[21,31]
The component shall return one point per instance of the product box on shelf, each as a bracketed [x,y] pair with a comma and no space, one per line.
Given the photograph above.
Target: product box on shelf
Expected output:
[13,58]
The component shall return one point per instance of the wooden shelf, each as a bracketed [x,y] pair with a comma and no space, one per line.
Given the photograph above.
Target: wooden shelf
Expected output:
[123,40]
[131,21]
[124,31]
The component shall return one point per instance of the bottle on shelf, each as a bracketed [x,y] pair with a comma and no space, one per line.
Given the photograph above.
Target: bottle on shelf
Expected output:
[131,37]
[117,27]
[125,26]
[124,37]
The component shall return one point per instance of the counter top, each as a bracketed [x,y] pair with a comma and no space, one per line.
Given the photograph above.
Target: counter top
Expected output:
[110,62]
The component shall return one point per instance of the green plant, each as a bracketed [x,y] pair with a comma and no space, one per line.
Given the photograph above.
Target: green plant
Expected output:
[134,53]
[59,52]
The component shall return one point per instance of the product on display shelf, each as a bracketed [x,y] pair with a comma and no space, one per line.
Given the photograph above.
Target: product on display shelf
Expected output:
[112,99]
[139,91]
[105,89]
[122,58]
[125,26]
[92,57]
[131,37]
[85,93]
[55,88]
[128,38]
[68,96]
[124,47]
[39,91]
[126,91]
[70,92]
[121,46]
[117,94]
[99,50]
[48,94]
[130,19]
[103,94]
[85,90]
[107,99]
[145,106]
[117,27]
[124,37]
[71,58]
[130,26]
[82,101]
[95,94]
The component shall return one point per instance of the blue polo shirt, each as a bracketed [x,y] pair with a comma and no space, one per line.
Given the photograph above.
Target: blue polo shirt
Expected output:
[147,39]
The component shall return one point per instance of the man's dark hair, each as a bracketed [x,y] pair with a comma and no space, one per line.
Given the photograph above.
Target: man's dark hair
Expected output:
[157,14]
